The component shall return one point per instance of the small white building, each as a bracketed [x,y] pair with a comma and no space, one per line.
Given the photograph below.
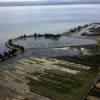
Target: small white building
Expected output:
[85,51]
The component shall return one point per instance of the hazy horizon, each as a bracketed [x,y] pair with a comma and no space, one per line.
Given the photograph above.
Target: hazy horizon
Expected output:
[51,1]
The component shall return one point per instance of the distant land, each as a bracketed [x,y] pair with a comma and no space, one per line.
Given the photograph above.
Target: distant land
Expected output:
[30,3]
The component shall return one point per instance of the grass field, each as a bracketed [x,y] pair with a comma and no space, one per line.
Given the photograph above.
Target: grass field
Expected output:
[92,61]
[60,85]
[49,78]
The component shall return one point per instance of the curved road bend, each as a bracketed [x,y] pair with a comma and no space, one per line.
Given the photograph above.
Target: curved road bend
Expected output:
[90,87]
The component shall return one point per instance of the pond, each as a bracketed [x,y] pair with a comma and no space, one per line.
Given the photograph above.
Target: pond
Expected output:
[46,47]
[63,41]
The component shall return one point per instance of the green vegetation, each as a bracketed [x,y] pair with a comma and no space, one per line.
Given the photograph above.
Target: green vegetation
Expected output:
[76,29]
[95,92]
[60,85]
[93,61]
[26,99]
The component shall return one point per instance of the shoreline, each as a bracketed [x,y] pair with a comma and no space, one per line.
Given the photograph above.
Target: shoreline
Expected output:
[20,49]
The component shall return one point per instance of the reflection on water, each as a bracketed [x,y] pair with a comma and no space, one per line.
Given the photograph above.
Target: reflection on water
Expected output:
[53,43]
[43,47]
[42,53]
[44,19]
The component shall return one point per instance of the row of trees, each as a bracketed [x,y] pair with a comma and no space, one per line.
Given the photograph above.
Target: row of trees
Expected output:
[36,35]
[12,52]
[8,54]
[18,47]
[47,35]
[78,28]
[15,48]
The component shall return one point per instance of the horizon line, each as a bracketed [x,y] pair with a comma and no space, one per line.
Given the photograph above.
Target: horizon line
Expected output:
[31,3]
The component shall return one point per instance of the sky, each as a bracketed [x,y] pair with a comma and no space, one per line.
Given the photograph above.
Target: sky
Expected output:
[19,0]
[51,0]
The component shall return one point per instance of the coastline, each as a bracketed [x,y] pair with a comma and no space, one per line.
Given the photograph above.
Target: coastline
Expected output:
[31,77]
[18,49]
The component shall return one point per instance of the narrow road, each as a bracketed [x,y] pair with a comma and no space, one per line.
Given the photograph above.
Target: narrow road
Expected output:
[90,88]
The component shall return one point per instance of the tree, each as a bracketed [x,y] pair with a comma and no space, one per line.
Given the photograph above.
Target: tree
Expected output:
[25,36]
[6,54]
[13,52]
[22,48]
[9,53]
[35,34]
[1,56]
[79,28]
[10,41]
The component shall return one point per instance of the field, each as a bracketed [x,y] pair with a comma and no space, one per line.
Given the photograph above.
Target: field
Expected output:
[59,85]
[47,79]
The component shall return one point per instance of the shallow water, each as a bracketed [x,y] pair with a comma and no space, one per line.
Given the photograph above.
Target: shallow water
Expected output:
[41,53]
[15,21]
[53,43]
